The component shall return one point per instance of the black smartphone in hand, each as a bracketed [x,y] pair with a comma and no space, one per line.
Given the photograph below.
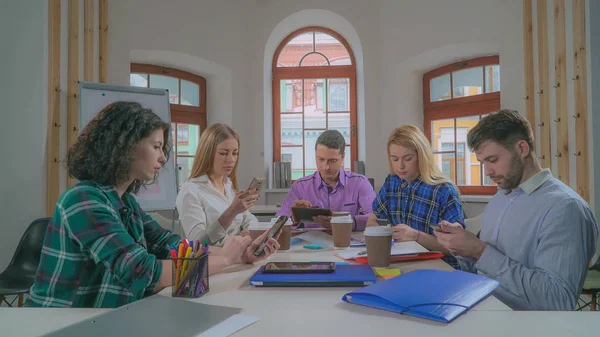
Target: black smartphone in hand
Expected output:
[277,227]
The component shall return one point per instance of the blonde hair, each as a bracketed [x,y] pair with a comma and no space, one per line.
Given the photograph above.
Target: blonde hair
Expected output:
[411,137]
[207,149]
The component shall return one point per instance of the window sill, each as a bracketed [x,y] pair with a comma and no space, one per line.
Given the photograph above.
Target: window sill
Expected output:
[477,198]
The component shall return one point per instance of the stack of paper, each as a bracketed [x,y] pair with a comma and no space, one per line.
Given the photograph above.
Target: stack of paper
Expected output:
[400,248]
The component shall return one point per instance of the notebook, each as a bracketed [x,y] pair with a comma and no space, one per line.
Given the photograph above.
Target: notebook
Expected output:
[432,294]
[343,276]
[161,316]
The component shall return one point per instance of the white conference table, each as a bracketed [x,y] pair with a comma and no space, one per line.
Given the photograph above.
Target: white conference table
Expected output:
[320,311]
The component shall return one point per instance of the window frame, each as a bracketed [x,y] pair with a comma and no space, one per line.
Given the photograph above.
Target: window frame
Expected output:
[184,114]
[469,106]
[314,72]
[180,114]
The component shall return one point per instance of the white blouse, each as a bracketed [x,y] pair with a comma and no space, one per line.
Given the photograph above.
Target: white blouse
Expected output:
[200,205]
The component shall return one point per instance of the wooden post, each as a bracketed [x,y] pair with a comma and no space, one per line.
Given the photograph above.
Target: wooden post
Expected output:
[53,137]
[560,84]
[88,41]
[73,77]
[103,41]
[542,28]
[581,109]
[528,51]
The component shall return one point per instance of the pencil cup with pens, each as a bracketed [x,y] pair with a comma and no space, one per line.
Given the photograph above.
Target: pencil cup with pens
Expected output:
[190,269]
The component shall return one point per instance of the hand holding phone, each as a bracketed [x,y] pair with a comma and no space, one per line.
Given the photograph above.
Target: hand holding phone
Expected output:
[273,232]
[257,184]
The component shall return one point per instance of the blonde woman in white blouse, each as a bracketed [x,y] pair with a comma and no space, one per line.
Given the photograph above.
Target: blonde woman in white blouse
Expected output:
[209,204]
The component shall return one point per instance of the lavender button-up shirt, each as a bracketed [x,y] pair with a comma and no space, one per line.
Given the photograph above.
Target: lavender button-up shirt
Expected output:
[353,193]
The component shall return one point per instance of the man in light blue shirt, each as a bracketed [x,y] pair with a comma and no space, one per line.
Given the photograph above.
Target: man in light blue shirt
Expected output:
[538,236]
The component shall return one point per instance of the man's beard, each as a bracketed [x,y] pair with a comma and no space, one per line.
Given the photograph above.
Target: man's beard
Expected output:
[513,178]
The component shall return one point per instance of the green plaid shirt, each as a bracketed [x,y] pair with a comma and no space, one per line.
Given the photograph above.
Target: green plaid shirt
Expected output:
[99,251]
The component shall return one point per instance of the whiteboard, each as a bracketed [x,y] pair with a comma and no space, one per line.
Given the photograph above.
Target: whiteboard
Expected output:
[93,97]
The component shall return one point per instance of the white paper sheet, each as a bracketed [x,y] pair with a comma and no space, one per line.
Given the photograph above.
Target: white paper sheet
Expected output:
[399,248]
[229,326]
[322,239]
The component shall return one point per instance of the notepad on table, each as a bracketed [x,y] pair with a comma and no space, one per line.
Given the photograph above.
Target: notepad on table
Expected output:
[386,273]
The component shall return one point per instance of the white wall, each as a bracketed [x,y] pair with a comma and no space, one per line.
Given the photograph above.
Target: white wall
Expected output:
[23,65]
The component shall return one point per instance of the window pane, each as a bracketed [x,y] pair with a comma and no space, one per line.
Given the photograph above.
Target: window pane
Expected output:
[468,166]
[294,155]
[310,139]
[290,95]
[339,94]
[333,49]
[314,115]
[314,60]
[487,181]
[445,162]
[188,136]
[340,122]
[190,93]
[291,129]
[467,82]
[442,132]
[294,50]
[347,157]
[138,80]
[439,88]
[166,82]
[492,78]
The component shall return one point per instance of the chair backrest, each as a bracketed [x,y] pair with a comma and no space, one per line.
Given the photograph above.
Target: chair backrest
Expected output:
[474,224]
[27,255]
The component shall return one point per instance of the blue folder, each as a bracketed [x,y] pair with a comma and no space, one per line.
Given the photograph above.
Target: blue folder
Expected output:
[343,276]
[432,294]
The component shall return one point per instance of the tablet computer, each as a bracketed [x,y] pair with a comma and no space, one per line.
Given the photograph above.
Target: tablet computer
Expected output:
[307,214]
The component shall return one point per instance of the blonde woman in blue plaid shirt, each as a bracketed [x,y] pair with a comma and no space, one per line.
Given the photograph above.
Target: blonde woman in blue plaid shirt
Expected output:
[416,193]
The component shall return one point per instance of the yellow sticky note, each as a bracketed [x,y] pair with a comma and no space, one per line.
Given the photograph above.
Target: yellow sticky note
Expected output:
[387,273]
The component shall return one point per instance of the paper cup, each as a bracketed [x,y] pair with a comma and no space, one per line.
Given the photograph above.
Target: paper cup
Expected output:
[341,229]
[379,245]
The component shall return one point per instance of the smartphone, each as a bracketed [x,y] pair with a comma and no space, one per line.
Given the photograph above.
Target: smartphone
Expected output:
[299,268]
[437,228]
[277,227]
[257,183]
[383,222]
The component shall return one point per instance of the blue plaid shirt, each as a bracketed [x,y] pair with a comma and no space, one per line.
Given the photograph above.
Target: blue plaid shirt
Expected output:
[418,204]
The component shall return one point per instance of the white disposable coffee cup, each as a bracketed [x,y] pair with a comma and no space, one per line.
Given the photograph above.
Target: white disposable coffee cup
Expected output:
[379,245]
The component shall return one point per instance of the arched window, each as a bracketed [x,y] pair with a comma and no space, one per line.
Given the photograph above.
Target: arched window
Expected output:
[314,89]
[187,94]
[455,98]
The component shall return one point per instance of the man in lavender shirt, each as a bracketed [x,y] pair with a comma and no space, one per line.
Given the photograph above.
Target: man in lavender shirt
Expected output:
[331,186]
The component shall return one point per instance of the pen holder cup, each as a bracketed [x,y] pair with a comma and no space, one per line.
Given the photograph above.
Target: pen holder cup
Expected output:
[190,277]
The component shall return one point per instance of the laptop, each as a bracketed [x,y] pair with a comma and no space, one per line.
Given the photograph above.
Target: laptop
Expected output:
[343,276]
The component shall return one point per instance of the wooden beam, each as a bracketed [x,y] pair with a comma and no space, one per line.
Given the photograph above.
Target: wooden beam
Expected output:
[560,84]
[528,51]
[581,109]
[53,137]
[88,41]
[73,77]
[103,41]
[542,29]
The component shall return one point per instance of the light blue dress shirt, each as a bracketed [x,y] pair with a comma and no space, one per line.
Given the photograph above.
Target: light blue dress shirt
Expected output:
[541,238]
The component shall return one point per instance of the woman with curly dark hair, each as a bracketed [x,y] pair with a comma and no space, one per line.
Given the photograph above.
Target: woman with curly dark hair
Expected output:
[101,249]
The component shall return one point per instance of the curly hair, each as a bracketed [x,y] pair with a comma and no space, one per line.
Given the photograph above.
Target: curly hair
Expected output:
[104,150]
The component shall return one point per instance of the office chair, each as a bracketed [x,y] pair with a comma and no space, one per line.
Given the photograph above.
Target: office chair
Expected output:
[591,287]
[19,276]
